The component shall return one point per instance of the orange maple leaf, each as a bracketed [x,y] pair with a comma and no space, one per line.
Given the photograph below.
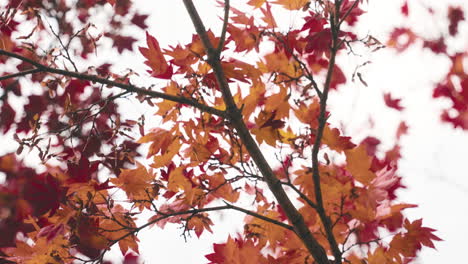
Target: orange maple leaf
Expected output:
[267,128]
[155,59]
[137,183]
[236,251]
[199,223]
[332,138]
[358,163]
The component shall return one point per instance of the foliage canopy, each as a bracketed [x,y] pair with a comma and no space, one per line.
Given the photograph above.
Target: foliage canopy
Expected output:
[244,126]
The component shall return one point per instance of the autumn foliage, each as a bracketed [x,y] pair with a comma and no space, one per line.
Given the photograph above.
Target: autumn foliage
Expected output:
[243,125]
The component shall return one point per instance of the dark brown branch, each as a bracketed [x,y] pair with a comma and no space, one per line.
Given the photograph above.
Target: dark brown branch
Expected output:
[127,87]
[235,116]
[19,74]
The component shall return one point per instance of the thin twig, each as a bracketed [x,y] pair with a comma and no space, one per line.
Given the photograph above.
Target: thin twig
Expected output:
[222,39]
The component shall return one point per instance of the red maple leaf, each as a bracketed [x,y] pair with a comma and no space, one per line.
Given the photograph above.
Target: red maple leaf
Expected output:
[392,102]
[123,43]
[139,21]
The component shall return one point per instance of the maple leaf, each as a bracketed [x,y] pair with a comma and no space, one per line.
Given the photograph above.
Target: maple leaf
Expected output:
[245,39]
[111,227]
[268,17]
[267,128]
[332,138]
[137,183]
[279,105]
[353,14]
[410,242]
[279,62]
[222,188]
[139,20]
[161,140]
[178,181]
[392,102]
[201,150]
[199,223]
[155,59]
[424,235]
[42,251]
[264,231]
[379,256]
[236,251]
[401,130]
[383,182]
[358,163]
[123,43]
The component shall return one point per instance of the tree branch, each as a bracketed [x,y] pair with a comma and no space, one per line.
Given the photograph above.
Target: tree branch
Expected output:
[19,74]
[223,31]
[235,116]
[128,87]
[259,216]
[322,119]
[197,211]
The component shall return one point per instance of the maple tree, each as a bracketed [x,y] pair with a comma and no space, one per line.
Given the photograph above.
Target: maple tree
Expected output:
[243,120]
